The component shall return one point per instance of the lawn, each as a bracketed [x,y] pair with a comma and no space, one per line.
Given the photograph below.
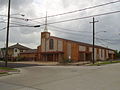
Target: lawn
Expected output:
[6,70]
[105,62]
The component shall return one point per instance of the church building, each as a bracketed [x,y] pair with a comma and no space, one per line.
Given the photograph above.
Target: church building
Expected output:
[56,49]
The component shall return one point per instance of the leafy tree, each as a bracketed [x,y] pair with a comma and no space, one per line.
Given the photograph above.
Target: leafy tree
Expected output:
[117,53]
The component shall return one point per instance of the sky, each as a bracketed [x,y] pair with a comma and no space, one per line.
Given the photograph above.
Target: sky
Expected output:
[107,29]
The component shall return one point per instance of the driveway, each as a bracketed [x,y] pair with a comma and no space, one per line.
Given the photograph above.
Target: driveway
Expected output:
[64,78]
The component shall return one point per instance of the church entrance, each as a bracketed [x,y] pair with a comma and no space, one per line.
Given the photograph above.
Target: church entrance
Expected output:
[54,57]
[50,57]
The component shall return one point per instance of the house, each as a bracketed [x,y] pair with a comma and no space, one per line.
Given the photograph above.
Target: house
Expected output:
[29,55]
[15,50]
[56,49]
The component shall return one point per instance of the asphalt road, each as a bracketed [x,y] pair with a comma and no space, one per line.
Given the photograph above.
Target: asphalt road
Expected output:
[64,78]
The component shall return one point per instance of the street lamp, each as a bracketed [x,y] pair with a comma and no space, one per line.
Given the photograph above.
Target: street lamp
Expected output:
[36,26]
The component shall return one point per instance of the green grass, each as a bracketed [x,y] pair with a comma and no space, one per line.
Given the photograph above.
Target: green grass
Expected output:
[104,63]
[7,69]
[116,61]
[3,73]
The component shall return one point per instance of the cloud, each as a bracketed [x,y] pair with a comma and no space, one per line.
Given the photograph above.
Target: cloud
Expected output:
[37,8]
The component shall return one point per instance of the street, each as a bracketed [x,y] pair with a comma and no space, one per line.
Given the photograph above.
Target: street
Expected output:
[105,77]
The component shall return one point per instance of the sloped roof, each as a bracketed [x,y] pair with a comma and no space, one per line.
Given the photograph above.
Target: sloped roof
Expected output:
[82,43]
[19,46]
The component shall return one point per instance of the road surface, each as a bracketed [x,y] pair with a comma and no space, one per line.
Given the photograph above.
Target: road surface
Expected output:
[105,77]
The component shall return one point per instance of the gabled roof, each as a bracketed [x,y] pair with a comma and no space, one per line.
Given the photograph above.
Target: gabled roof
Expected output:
[19,46]
[82,43]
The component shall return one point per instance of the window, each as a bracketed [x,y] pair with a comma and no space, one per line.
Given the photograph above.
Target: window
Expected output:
[15,50]
[101,53]
[51,44]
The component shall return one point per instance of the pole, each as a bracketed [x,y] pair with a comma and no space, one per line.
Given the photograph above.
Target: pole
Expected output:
[93,49]
[93,40]
[7,37]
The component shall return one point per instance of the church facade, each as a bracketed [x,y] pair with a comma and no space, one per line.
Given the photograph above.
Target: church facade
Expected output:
[57,49]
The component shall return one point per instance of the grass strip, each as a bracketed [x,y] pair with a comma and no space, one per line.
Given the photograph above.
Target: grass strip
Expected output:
[8,69]
[104,63]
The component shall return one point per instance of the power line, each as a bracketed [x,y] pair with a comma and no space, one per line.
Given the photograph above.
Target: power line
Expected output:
[105,41]
[70,33]
[2,21]
[80,9]
[2,29]
[101,42]
[69,29]
[18,22]
[16,17]
[73,34]
[67,12]
[102,14]
[20,25]
[111,39]
[61,28]
[24,25]
[108,41]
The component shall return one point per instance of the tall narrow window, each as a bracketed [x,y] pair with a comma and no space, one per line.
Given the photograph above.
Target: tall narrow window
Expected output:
[51,44]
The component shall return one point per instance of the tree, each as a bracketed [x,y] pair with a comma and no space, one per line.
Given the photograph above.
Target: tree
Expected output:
[117,53]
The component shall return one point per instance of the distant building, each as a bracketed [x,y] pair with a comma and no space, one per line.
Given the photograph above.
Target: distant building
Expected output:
[29,55]
[20,52]
[15,50]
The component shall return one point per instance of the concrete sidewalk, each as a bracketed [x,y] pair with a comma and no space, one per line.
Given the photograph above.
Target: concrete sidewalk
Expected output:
[51,63]
[37,62]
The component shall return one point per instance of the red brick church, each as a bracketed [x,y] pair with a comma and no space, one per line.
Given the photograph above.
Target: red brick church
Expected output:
[55,49]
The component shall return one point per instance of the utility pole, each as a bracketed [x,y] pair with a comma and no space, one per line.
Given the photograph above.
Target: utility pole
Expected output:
[93,48]
[7,37]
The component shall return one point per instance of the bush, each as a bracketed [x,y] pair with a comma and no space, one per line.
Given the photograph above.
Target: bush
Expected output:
[66,61]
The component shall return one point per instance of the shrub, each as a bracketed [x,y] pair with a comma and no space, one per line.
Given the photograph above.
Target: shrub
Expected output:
[66,61]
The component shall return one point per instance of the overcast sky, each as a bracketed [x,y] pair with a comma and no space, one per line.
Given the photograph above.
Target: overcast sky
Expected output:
[32,9]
